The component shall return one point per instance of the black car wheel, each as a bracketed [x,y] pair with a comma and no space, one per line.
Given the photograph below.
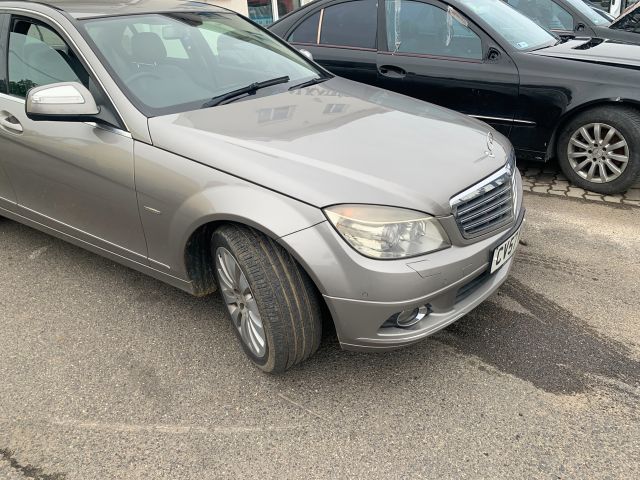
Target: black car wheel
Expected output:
[272,303]
[599,150]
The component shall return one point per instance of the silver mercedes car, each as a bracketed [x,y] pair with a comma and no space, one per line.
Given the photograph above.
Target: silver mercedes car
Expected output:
[182,140]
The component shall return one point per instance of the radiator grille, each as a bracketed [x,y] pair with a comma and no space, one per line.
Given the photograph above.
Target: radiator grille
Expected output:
[487,206]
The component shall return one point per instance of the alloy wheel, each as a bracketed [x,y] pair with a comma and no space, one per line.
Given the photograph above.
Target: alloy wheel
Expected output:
[598,152]
[240,302]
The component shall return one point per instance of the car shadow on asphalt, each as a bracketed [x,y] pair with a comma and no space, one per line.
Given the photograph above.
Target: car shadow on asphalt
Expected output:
[522,333]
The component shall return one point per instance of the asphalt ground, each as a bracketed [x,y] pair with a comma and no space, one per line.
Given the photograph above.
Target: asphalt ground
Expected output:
[108,374]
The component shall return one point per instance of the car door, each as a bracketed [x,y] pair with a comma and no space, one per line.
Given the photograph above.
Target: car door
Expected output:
[7,193]
[432,52]
[341,35]
[74,177]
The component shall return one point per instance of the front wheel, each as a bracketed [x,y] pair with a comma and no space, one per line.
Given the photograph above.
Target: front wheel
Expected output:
[273,305]
[599,150]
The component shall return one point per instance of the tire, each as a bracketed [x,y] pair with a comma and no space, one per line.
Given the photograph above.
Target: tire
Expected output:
[287,302]
[626,123]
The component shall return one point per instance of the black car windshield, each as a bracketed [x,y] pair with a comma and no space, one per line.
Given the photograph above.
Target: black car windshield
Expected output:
[521,32]
[168,63]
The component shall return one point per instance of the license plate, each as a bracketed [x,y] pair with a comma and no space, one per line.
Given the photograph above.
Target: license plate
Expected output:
[505,251]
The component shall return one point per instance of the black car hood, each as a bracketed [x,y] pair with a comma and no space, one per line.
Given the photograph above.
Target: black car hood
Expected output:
[595,50]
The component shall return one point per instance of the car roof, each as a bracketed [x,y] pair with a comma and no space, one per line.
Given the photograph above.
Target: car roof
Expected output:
[80,9]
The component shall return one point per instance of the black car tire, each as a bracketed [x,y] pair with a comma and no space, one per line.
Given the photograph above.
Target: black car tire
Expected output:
[624,119]
[288,302]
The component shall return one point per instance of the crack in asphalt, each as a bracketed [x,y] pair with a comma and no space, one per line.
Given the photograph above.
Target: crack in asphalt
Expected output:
[543,343]
[27,470]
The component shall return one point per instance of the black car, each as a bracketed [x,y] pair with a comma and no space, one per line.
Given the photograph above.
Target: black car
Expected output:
[613,7]
[577,99]
[572,18]
[629,22]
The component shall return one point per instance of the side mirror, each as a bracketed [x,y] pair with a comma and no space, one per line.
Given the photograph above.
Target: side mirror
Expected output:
[306,53]
[67,102]
[493,54]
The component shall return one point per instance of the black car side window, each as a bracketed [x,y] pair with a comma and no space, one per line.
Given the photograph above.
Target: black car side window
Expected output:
[38,56]
[307,31]
[350,24]
[545,13]
[421,28]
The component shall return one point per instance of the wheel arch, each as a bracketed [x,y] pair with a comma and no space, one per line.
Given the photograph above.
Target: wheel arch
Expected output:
[271,214]
[572,113]
[198,257]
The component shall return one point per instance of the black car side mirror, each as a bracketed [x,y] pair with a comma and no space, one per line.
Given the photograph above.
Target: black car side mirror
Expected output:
[493,54]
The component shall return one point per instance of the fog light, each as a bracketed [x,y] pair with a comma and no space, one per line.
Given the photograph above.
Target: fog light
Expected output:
[407,318]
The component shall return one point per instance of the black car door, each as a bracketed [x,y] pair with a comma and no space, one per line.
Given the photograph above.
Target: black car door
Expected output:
[341,36]
[430,51]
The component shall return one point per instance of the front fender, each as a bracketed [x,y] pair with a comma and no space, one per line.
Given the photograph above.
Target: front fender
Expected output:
[569,113]
[177,196]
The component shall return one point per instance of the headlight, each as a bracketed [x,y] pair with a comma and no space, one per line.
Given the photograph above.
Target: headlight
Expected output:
[387,232]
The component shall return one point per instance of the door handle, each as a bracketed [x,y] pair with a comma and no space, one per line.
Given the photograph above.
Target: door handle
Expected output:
[10,123]
[392,71]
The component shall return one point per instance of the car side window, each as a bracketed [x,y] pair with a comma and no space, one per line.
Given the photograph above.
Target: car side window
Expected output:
[38,56]
[422,28]
[307,31]
[546,13]
[350,24]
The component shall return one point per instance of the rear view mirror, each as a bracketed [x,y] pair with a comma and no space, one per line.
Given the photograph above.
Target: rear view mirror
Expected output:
[69,101]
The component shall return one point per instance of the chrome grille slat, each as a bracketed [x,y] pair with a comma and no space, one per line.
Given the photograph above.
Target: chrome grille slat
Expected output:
[480,201]
[502,200]
[487,206]
[489,218]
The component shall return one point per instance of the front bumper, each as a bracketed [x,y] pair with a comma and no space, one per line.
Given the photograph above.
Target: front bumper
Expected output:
[359,321]
[363,293]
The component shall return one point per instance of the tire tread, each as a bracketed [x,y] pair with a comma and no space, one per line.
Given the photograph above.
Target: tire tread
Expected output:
[288,301]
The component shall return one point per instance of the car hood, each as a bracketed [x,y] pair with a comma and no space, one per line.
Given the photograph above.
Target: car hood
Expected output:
[340,142]
[595,50]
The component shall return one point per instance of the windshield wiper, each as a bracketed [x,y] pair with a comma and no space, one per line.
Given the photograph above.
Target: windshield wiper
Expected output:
[308,83]
[248,90]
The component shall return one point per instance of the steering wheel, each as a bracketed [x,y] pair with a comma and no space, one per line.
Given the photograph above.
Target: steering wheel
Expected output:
[137,76]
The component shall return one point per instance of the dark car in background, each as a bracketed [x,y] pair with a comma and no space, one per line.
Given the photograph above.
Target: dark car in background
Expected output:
[577,100]
[572,18]
[615,8]
[629,22]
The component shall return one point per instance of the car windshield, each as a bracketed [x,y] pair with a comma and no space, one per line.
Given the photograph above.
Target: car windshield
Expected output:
[521,32]
[589,12]
[168,63]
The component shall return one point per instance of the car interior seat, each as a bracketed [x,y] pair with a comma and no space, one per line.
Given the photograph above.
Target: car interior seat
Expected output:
[154,79]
